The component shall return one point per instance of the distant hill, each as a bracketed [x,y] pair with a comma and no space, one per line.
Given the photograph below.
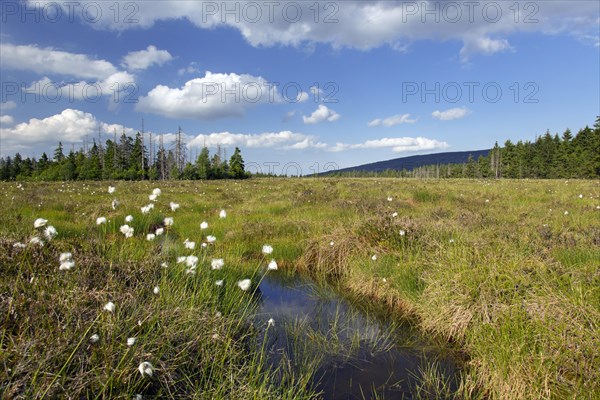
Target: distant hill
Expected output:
[412,162]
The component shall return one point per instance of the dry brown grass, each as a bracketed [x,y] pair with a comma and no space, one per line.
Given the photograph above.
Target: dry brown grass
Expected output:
[330,255]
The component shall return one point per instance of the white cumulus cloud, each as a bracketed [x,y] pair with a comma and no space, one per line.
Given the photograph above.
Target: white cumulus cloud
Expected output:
[453,113]
[211,97]
[483,45]
[302,97]
[287,140]
[281,140]
[88,79]
[393,120]
[192,68]
[51,61]
[6,120]
[398,145]
[70,126]
[363,24]
[142,59]
[112,87]
[8,105]
[322,113]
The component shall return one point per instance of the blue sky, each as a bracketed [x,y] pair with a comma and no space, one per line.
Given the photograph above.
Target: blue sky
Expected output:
[359,82]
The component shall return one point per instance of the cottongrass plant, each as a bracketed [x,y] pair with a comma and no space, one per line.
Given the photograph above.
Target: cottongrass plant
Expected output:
[40,222]
[66,261]
[131,332]
[110,307]
[244,284]
[50,232]
[217,263]
[127,230]
[36,241]
[272,265]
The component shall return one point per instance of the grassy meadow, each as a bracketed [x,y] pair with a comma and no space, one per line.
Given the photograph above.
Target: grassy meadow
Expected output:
[507,270]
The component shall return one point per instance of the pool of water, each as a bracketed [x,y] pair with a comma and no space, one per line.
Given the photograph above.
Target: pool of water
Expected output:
[361,352]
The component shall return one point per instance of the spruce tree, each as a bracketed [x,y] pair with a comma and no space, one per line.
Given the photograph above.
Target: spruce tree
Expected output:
[471,168]
[203,168]
[236,165]
[43,163]
[69,167]
[59,156]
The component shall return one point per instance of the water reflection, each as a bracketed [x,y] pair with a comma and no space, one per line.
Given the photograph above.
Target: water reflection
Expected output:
[359,354]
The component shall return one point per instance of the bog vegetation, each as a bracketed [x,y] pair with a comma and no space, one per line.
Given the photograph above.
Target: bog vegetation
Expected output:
[114,292]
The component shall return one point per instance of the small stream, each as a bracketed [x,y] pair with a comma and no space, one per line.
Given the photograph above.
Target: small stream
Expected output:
[357,351]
